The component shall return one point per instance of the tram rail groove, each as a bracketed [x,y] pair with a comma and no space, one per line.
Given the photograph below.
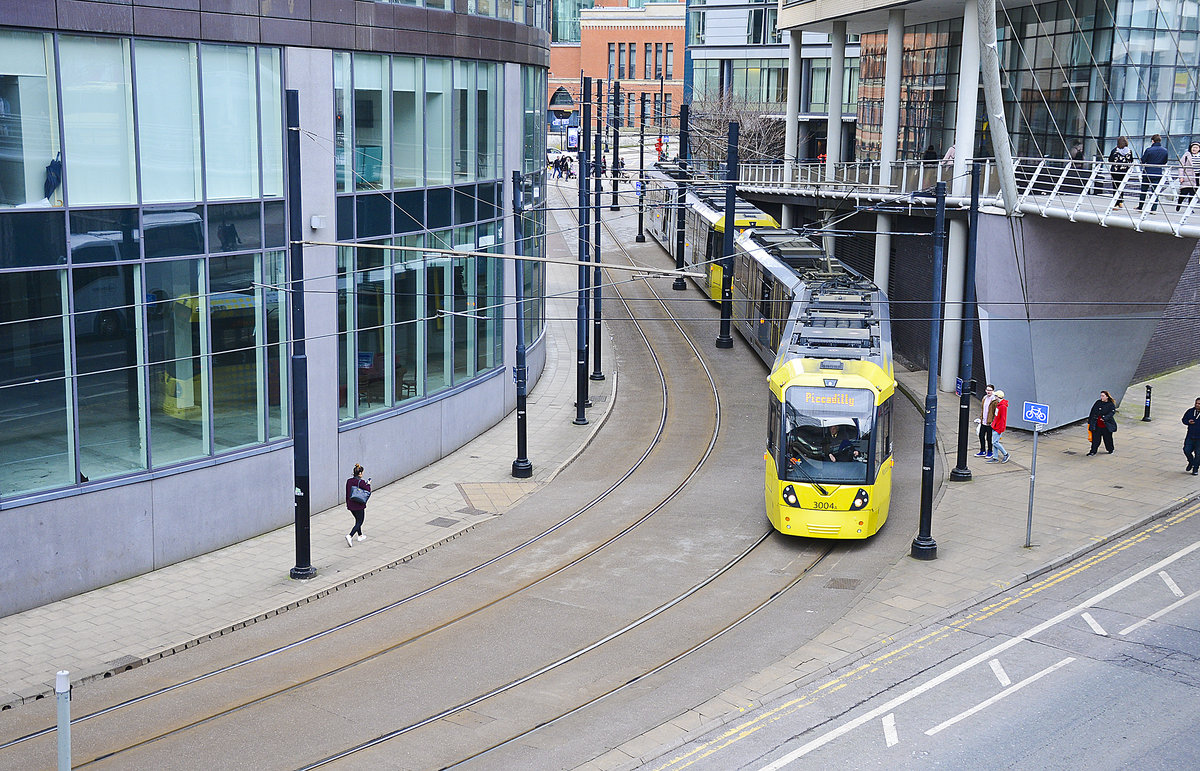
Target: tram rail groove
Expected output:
[650,447]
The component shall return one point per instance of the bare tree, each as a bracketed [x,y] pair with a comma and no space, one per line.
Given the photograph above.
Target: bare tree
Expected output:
[760,135]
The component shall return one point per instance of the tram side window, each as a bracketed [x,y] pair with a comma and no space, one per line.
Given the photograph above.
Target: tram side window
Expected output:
[773,419]
[883,433]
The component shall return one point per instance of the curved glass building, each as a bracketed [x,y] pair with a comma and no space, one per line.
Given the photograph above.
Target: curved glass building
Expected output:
[146,410]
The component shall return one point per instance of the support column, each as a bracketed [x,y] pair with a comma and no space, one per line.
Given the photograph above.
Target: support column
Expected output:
[791,132]
[837,78]
[964,150]
[891,141]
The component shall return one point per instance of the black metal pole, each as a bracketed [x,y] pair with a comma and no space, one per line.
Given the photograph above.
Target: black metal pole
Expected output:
[521,467]
[597,293]
[961,473]
[616,135]
[1146,416]
[923,546]
[641,185]
[581,309]
[299,361]
[725,338]
[681,198]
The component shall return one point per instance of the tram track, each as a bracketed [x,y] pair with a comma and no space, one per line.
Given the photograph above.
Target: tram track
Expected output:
[116,709]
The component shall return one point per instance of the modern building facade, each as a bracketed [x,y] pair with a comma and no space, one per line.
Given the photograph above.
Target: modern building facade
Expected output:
[146,410]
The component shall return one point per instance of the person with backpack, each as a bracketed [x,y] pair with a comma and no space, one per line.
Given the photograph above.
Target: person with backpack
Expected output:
[1120,160]
[358,490]
[999,422]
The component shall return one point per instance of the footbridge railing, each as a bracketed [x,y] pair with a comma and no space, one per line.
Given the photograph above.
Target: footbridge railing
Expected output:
[1079,191]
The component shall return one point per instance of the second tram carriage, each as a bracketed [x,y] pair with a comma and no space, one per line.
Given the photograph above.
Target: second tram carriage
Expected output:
[703,224]
[825,331]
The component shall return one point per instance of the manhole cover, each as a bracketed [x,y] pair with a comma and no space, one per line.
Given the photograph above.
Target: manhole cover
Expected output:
[843,583]
[431,485]
[442,522]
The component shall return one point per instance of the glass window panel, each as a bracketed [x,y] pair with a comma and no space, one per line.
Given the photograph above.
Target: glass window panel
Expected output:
[36,443]
[97,120]
[237,381]
[437,122]
[408,166]
[464,204]
[274,310]
[439,298]
[104,235]
[439,211]
[347,387]
[408,308]
[464,305]
[168,121]
[108,351]
[409,211]
[345,217]
[175,361]
[234,227]
[271,118]
[274,224]
[371,123]
[373,331]
[487,113]
[28,120]
[28,239]
[341,107]
[173,232]
[465,136]
[487,300]
[231,141]
[374,216]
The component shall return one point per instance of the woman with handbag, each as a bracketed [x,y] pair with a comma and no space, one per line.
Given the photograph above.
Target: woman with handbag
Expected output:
[358,490]
[1102,422]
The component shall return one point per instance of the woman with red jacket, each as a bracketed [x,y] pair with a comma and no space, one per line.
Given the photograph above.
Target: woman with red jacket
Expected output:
[999,410]
[357,508]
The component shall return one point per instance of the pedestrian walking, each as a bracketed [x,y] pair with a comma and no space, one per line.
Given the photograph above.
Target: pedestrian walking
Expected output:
[1154,160]
[1120,161]
[1102,422]
[985,423]
[1191,442]
[999,423]
[1189,165]
[358,490]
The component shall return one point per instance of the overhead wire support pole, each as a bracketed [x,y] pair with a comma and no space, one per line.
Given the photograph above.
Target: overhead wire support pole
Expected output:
[303,569]
[923,546]
[961,473]
[725,338]
[597,285]
[641,184]
[615,98]
[522,468]
[681,196]
[581,308]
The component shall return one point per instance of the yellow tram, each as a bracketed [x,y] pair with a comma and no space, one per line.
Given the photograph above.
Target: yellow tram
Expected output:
[829,456]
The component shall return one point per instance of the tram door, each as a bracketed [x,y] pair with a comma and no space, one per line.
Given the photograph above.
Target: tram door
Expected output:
[765,322]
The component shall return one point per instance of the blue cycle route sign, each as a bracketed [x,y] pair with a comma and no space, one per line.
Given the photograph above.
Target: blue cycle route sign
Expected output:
[1036,413]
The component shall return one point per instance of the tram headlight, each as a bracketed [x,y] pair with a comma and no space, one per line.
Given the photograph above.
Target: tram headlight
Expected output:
[789,496]
[861,499]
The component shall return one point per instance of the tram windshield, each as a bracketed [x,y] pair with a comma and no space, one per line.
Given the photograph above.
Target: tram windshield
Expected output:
[829,435]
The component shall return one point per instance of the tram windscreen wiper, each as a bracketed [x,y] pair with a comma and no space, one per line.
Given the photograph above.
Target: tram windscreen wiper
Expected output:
[809,478]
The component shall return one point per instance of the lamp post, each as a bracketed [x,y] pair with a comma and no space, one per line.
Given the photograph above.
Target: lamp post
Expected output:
[521,467]
[681,198]
[616,135]
[923,546]
[961,473]
[641,184]
[581,374]
[724,338]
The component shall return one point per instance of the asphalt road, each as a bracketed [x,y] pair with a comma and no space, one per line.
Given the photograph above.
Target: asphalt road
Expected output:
[1096,665]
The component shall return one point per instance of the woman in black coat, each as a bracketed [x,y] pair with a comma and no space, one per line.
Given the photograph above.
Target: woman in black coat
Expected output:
[1102,422]
[357,508]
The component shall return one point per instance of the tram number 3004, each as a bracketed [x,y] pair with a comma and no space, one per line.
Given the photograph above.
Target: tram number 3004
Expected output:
[823,505]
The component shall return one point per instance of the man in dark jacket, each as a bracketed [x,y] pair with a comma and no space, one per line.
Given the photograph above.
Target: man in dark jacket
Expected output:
[1153,161]
[1191,443]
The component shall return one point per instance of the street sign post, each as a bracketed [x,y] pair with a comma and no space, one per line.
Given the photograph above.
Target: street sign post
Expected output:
[1038,415]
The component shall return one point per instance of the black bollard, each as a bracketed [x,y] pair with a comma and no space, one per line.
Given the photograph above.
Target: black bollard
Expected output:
[1146,417]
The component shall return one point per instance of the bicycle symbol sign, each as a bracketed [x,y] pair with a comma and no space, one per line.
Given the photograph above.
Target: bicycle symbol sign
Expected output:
[1036,413]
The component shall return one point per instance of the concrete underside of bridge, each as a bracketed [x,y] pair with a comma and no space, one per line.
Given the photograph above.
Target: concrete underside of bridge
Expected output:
[1065,308]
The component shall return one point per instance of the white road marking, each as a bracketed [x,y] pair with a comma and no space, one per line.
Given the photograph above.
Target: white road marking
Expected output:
[1001,675]
[1006,692]
[889,729]
[1161,613]
[929,685]
[1174,587]
[1094,624]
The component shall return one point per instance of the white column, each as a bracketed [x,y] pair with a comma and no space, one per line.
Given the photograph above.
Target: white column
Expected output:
[791,134]
[964,150]
[891,140]
[837,74]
